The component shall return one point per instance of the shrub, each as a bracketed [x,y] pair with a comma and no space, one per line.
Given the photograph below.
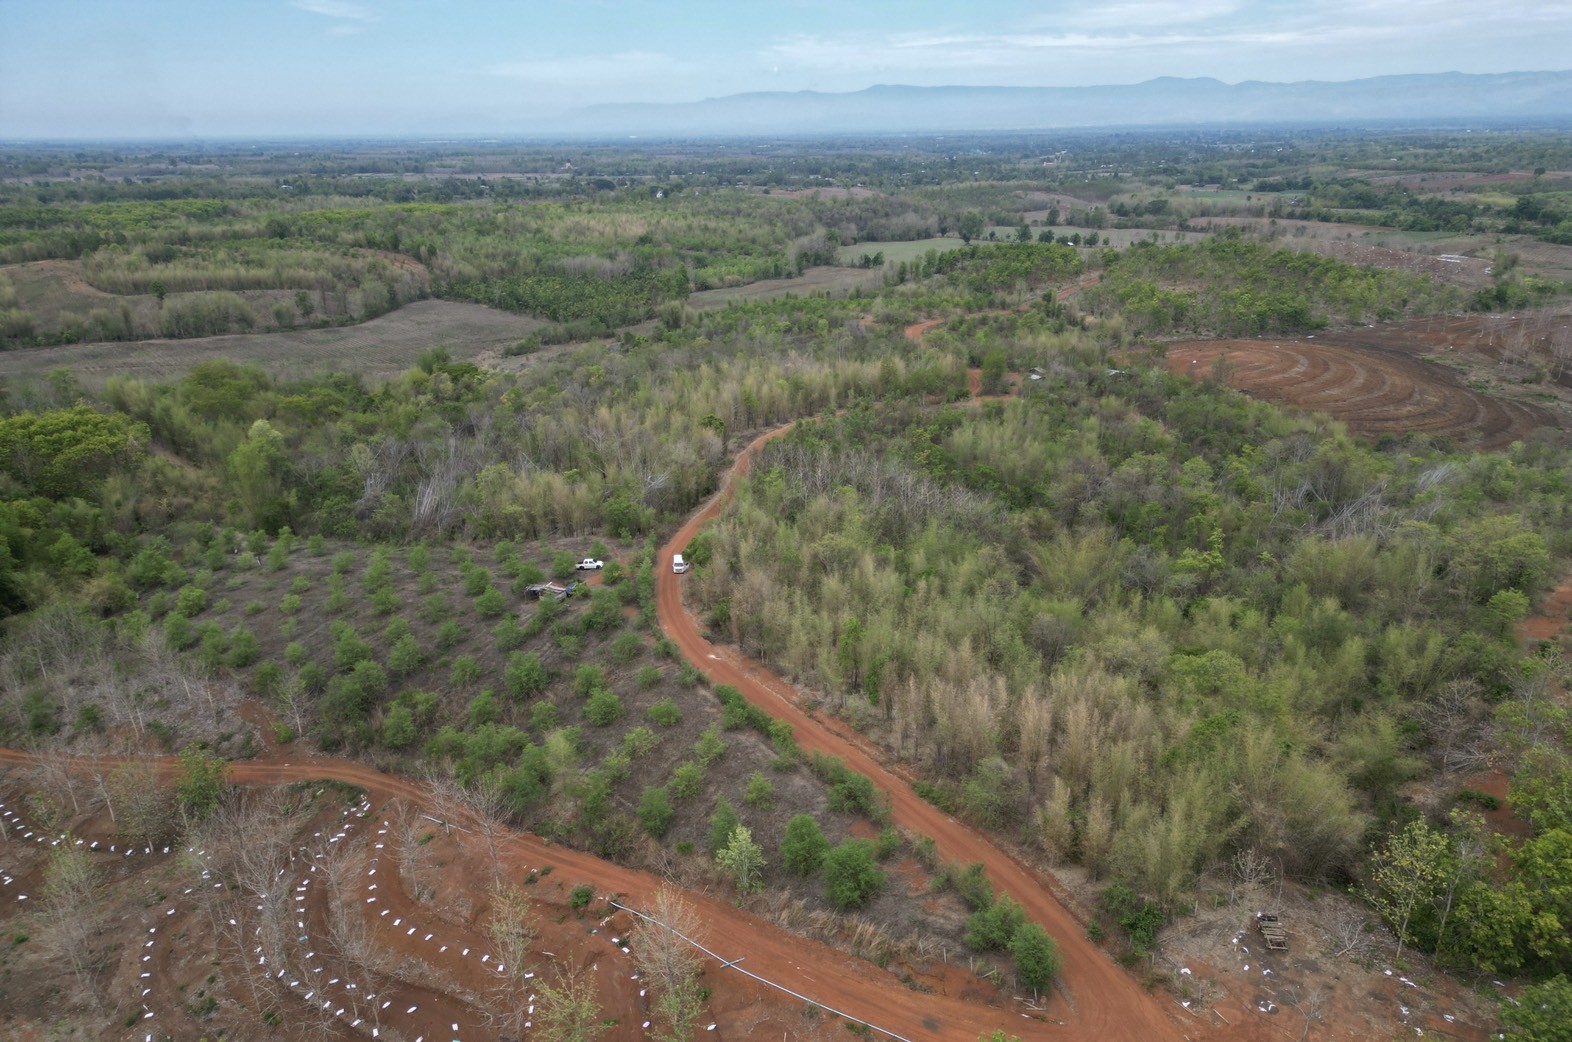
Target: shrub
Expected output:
[450,634]
[1138,918]
[483,709]
[343,561]
[317,545]
[580,898]
[490,603]
[664,713]
[507,634]
[563,565]
[851,875]
[603,708]
[295,653]
[398,728]
[648,676]
[405,656]
[386,602]
[465,671]
[760,792]
[179,632]
[243,648]
[640,741]
[588,678]
[474,579]
[348,647]
[710,747]
[803,846]
[992,928]
[626,647]
[655,811]
[269,676]
[686,781]
[290,604]
[190,600]
[723,820]
[543,715]
[525,675]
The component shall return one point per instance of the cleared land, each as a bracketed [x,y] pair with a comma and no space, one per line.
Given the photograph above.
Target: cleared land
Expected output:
[377,349]
[1374,380]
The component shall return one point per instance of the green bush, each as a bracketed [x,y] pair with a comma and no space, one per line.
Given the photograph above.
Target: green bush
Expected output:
[490,603]
[710,747]
[450,634]
[465,671]
[603,708]
[524,676]
[647,677]
[507,635]
[290,604]
[655,812]
[723,820]
[179,632]
[664,713]
[588,678]
[243,648]
[760,792]
[483,709]
[295,653]
[992,928]
[190,600]
[639,741]
[543,716]
[626,646]
[398,728]
[1036,957]
[348,647]
[851,874]
[803,846]
[405,656]
[686,781]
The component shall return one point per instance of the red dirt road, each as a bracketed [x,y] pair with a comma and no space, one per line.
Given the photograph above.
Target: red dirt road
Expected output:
[1104,1002]
[829,977]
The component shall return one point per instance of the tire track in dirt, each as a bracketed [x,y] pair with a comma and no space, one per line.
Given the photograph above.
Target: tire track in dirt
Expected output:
[1106,1003]
[829,977]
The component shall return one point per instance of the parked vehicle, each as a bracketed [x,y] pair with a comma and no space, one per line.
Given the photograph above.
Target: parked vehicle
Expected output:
[678,565]
[590,564]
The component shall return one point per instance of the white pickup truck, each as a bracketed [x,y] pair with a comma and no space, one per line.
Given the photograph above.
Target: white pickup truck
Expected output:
[590,564]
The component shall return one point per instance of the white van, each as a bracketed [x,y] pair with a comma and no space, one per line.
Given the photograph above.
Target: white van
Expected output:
[678,565]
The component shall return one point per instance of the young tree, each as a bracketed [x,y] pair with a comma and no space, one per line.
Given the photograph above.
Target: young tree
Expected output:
[742,858]
[670,963]
[1406,873]
[1036,957]
[568,1010]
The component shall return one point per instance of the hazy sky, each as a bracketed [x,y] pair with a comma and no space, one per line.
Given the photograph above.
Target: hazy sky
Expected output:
[175,68]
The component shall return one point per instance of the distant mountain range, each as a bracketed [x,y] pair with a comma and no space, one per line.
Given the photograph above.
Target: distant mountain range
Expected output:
[1449,96]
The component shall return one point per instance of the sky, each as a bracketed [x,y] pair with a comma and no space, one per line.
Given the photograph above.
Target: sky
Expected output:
[238,68]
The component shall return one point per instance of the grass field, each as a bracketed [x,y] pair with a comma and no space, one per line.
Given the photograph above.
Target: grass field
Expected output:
[376,349]
[895,252]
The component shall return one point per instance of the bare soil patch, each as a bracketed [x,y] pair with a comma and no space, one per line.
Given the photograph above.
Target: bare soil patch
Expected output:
[376,349]
[1374,380]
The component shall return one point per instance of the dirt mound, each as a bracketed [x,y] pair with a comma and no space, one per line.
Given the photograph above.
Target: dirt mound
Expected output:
[1364,383]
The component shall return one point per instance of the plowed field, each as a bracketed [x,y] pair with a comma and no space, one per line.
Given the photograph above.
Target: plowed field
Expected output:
[1373,380]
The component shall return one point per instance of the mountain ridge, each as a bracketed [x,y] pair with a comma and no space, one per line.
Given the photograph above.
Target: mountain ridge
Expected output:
[1165,100]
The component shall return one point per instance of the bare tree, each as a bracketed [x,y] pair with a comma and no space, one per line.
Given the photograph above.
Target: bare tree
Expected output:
[512,927]
[569,1009]
[666,959]
[72,908]
[414,856]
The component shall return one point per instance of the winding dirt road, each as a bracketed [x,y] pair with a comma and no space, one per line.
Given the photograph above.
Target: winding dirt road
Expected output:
[1106,1003]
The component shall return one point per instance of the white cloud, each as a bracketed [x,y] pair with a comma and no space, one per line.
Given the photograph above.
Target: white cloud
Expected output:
[347,9]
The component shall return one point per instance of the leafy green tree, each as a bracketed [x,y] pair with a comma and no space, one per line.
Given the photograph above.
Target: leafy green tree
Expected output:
[743,858]
[851,874]
[200,784]
[1542,1012]
[969,225]
[64,452]
[256,475]
[1036,957]
[1407,873]
[993,927]
[803,846]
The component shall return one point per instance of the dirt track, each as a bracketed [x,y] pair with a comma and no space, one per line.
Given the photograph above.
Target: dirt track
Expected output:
[1103,1001]
[831,978]
[1370,379]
